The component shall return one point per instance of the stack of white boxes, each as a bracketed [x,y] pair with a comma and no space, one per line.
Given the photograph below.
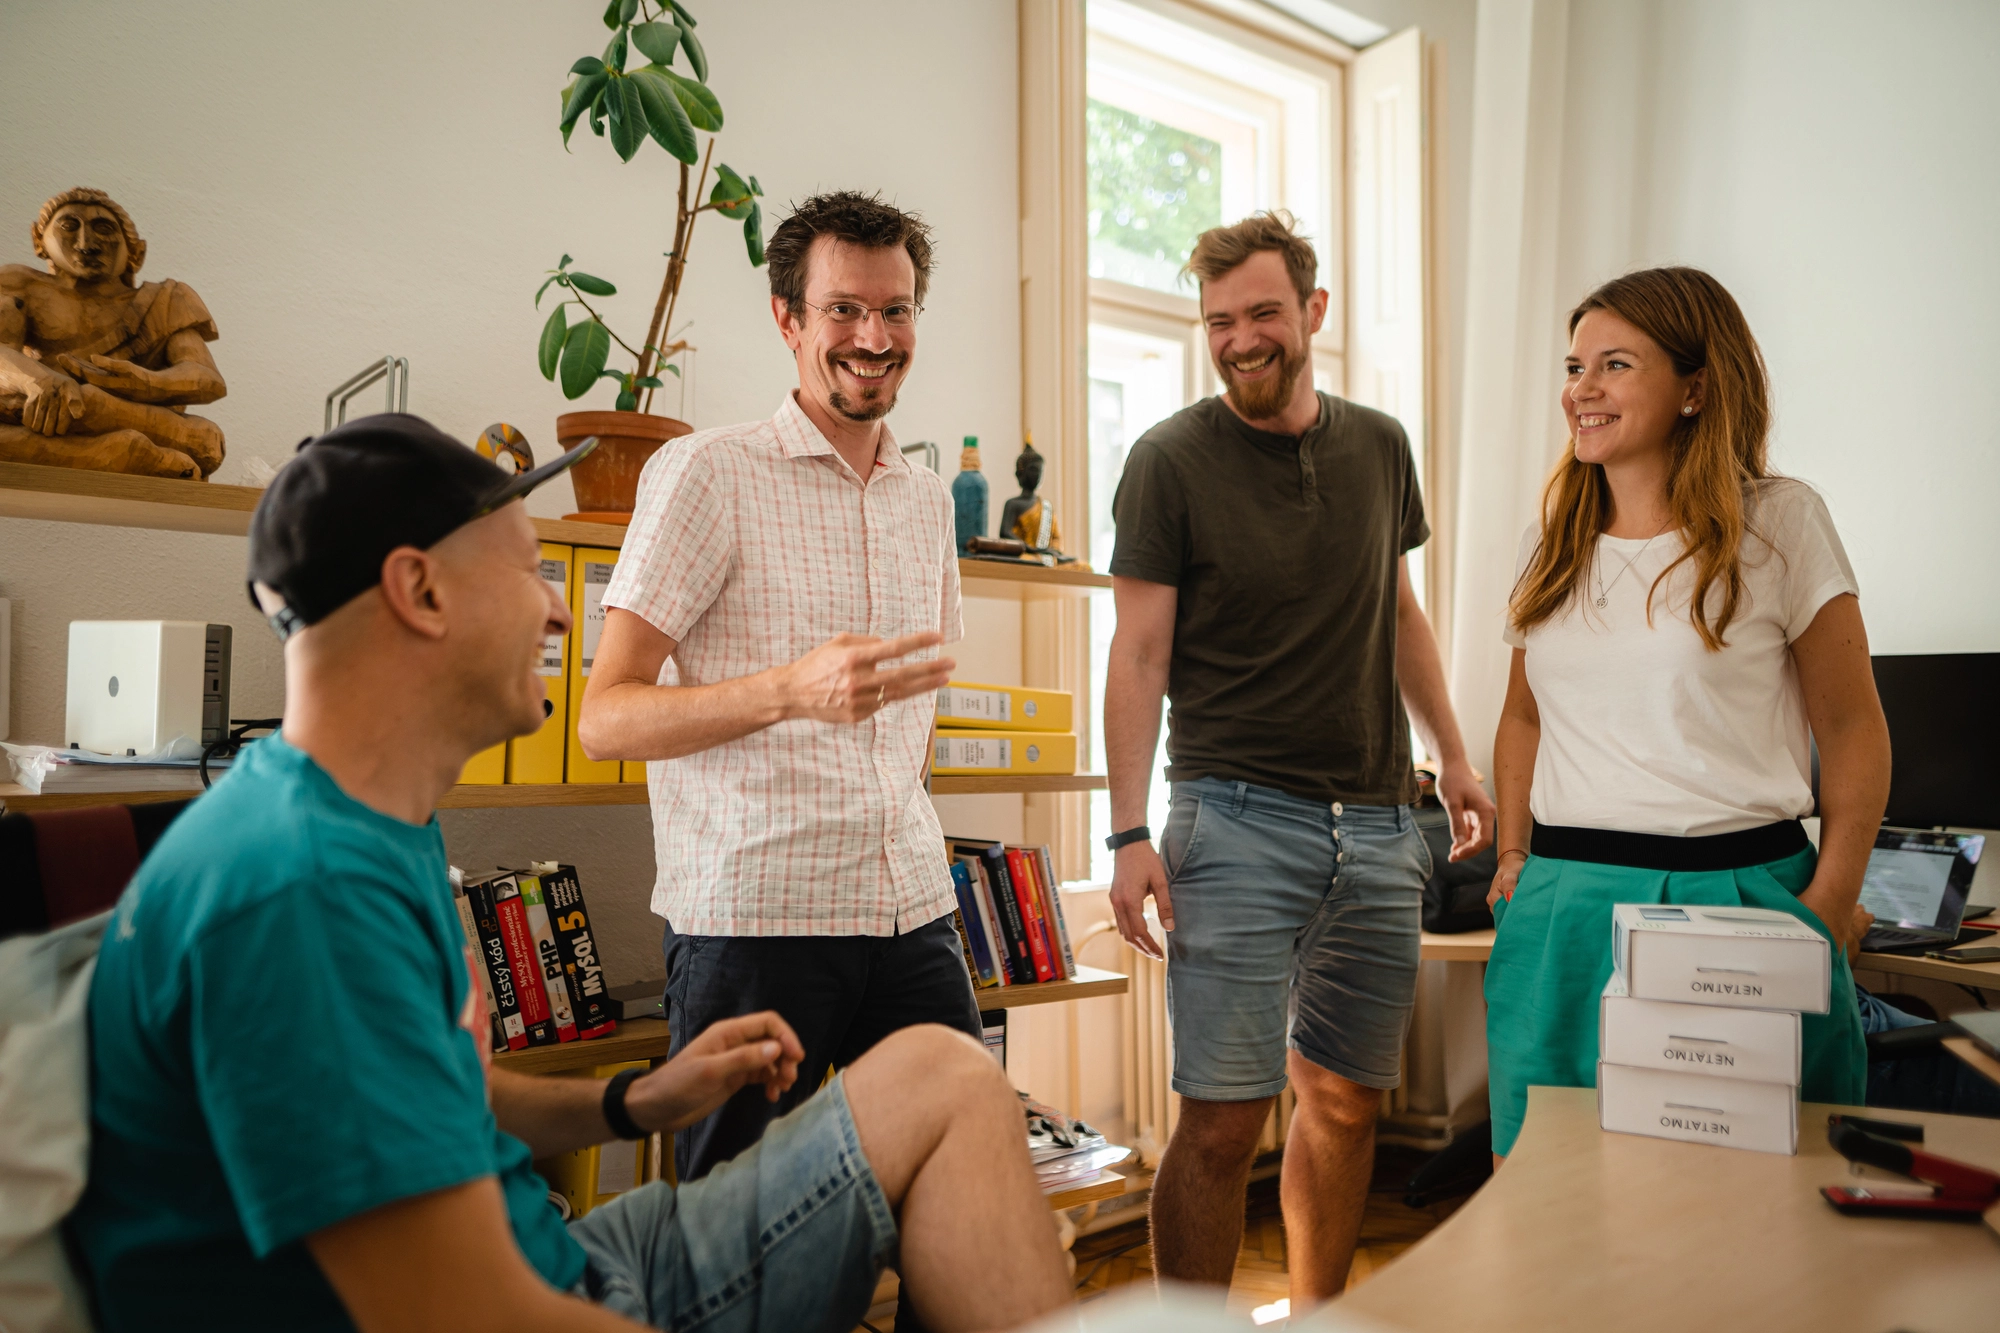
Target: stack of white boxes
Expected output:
[1699,1034]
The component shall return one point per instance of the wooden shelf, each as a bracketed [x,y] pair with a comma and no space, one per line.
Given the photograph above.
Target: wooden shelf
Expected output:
[78,495]
[1090,982]
[1106,1184]
[635,1039]
[1019,783]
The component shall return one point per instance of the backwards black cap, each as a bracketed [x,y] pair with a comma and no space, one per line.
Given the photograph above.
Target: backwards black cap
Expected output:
[332,515]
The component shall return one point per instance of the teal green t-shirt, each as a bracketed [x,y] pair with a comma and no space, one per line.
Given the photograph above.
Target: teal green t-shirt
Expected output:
[275,1048]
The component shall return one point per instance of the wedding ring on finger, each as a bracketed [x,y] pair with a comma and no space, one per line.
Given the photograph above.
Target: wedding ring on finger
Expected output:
[881,695]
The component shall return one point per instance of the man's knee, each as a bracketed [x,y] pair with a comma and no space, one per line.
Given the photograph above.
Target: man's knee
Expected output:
[1221,1131]
[1332,1102]
[945,1058]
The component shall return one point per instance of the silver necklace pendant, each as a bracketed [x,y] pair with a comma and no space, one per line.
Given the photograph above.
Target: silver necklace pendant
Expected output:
[1600,601]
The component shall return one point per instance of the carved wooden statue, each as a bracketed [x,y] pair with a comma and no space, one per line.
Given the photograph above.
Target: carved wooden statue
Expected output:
[97,368]
[1030,518]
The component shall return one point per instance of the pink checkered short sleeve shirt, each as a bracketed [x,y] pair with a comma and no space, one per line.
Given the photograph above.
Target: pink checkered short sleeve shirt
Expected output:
[750,546]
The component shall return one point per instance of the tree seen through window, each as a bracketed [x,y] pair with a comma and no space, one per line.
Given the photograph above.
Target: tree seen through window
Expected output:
[1153,189]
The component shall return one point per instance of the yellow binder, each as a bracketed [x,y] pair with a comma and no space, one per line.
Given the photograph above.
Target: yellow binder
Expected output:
[971,753]
[591,574]
[488,768]
[961,703]
[595,1175]
[538,757]
[632,771]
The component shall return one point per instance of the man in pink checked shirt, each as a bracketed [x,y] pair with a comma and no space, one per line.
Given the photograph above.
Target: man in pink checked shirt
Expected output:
[771,648]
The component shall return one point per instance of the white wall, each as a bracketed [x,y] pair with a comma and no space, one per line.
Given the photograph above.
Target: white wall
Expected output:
[343,181]
[1835,164]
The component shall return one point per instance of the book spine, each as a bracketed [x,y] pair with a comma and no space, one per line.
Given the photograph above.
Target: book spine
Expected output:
[965,945]
[1045,914]
[1048,869]
[969,924]
[1020,963]
[493,952]
[548,958]
[496,1038]
[521,955]
[589,997]
[989,921]
[1024,893]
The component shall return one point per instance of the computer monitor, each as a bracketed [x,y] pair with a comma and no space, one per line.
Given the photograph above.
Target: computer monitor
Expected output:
[1944,728]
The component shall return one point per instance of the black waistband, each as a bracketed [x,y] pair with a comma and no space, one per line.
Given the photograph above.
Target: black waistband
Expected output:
[1656,851]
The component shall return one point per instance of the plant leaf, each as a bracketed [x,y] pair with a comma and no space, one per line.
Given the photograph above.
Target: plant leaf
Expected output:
[553,334]
[583,355]
[628,117]
[564,263]
[614,52]
[618,375]
[627,401]
[680,12]
[648,382]
[753,235]
[731,195]
[675,371]
[583,95]
[665,116]
[755,188]
[699,103]
[626,9]
[611,13]
[697,58]
[595,286]
[553,277]
[657,41]
[587,65]
[597,110]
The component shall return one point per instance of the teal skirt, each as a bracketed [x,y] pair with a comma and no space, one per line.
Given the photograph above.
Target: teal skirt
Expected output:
[1552,956]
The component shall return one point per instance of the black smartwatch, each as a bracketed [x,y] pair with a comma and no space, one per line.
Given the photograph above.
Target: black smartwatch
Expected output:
[615,1114]
[1139,834]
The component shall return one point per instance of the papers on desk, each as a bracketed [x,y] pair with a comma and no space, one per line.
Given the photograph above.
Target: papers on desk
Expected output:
[47,771]
[1699,1034]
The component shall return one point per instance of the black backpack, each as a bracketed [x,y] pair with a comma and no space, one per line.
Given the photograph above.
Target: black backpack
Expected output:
[1455,894]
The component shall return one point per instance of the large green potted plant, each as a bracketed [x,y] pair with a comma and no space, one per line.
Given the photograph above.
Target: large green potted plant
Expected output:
[628,103]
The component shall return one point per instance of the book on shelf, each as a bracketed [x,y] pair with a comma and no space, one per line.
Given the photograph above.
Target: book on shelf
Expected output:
[496,1038]
[1009,914]
[520,942]
[548,962]
[569,919]
[492,945]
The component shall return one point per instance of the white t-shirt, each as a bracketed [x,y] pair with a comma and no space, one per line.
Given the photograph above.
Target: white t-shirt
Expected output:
[1646,731]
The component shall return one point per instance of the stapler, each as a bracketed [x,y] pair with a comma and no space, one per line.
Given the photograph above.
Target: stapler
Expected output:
[1956,1189]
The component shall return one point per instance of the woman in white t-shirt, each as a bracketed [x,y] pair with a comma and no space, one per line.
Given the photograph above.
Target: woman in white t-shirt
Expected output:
[1684,625]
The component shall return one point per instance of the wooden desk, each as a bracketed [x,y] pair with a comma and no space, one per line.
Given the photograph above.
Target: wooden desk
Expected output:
[1966,1050]
[1476,946]
[1587,1230]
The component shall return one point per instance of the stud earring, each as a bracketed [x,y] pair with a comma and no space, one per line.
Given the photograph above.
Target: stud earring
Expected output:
[1687,411]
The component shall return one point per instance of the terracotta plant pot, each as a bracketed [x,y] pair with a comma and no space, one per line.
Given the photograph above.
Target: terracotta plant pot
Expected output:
[607,482]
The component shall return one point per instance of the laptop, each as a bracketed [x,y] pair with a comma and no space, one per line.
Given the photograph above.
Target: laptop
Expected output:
[1915,884]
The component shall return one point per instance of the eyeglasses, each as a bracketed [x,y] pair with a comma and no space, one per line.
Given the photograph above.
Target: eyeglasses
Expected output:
[897,314]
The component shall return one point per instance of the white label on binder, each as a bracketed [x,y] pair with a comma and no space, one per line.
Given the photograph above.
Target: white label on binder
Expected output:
[974,752]
[977,705]
[596,578]
[554,573]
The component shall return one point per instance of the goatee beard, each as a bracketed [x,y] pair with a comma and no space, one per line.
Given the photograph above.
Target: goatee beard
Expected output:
[1267,397]
[874,404]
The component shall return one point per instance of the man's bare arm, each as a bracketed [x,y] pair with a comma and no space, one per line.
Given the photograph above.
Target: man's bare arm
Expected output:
[443,1262]
[1420,675]
[627,715]
[1135,685]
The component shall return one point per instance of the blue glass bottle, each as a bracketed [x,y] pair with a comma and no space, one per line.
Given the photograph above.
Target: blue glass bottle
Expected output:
[968,495]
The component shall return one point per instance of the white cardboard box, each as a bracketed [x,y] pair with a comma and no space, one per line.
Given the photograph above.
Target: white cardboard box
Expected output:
[1698,1108]
[1758,1044]
[1743,957]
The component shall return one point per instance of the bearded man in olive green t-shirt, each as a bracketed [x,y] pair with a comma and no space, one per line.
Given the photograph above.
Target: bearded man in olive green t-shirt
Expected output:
[1262,588]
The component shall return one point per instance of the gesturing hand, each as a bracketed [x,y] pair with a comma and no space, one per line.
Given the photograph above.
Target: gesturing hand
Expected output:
[756,1048]
[1472,813]
[843,680]
[1139,872]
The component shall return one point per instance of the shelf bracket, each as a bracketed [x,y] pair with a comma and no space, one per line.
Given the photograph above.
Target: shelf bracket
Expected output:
[396,393]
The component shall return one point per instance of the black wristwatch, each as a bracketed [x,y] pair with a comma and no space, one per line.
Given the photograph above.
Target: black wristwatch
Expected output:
[615,1114]
[1139,834]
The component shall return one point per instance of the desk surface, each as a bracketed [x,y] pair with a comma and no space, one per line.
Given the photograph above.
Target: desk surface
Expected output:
[1476,946]
[1587,1230]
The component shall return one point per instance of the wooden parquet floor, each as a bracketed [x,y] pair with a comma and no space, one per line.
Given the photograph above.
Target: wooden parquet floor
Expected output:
[1123,1255]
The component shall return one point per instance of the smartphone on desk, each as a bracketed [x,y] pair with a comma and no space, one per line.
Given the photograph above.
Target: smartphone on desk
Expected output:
[1979,955]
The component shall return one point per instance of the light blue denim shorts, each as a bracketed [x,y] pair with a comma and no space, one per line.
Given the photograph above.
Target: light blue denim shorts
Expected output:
[1295,924]
[788,1236]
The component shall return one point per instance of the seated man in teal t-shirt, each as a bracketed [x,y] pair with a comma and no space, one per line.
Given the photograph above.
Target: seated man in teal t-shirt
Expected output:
[293,1121]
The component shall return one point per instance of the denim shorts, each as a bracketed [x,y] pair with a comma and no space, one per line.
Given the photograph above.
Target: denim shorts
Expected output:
[1295,923]
[788,1235]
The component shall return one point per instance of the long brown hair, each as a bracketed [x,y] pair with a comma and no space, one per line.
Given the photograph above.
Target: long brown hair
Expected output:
[1712,456]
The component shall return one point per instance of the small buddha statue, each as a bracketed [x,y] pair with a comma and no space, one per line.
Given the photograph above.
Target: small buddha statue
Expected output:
[1030,518]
